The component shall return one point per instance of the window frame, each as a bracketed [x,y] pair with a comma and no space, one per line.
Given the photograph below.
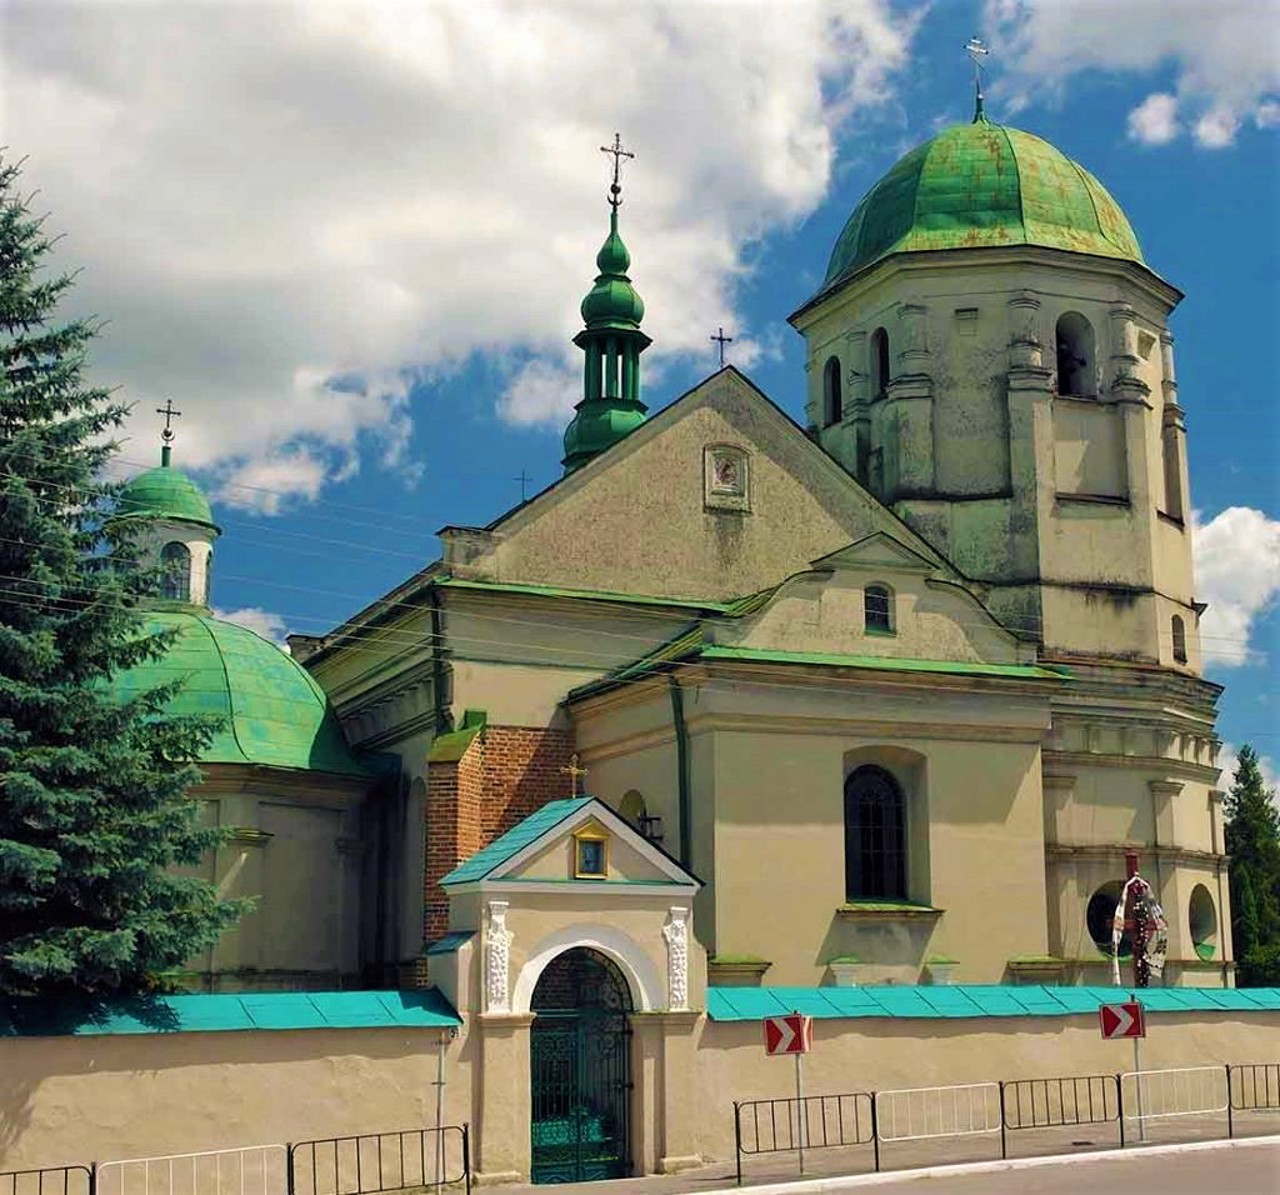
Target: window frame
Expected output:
[587,839]
[886,878]
[175,572]
[877,588]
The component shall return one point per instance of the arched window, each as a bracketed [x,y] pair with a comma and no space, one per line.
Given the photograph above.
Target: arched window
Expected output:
[879,362]
[1179,640]
[1074,339]
[175,572]
[832,401]
[1100,915]
[1172,471]
[1203,922]
[877,609]
[875,856]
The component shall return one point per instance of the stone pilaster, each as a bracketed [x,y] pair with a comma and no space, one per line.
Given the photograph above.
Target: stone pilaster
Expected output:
[502,1152]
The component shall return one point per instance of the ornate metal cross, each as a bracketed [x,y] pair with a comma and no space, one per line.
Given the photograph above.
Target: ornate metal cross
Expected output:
[169,416]
[573,771]
[721,339]
[617,153]
[977,50]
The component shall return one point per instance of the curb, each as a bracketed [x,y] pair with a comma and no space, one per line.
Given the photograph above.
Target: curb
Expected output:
[824,1186]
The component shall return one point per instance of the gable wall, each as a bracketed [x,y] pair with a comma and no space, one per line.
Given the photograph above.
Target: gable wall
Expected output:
[634,520]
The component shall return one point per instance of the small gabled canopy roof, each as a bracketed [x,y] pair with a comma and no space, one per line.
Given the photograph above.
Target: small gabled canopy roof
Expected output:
[553,820]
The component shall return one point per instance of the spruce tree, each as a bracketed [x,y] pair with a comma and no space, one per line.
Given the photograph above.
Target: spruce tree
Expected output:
[94,803]
[1253,856]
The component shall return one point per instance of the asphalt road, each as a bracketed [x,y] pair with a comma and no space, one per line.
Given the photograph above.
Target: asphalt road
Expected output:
[1238,1170]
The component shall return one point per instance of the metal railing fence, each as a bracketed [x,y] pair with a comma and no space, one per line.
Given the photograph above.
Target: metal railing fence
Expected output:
[248,1170]
[369,1163]
[766,1126]
[54,1180]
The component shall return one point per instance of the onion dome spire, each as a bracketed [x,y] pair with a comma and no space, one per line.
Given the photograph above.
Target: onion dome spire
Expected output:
[611,343]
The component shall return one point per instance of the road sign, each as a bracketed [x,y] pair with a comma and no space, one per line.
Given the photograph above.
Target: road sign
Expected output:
[1122,1020]
[792,1034]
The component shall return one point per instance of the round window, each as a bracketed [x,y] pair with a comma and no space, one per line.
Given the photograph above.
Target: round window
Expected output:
[1203,918]
[1099,916]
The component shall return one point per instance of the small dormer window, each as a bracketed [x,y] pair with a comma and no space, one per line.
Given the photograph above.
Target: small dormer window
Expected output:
[590,856]
[175,570]
[878,609]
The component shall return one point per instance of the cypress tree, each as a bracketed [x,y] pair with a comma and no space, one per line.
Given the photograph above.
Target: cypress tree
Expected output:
[94,806]
[1253,856]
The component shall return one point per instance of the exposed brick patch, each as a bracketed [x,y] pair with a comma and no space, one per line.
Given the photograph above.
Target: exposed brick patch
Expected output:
[505,774]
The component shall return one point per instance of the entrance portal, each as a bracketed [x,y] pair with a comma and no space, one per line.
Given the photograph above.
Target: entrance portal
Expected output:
[580,1049]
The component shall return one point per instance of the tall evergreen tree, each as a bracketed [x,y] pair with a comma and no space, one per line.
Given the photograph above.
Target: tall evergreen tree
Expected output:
[94,807]
[1253,856]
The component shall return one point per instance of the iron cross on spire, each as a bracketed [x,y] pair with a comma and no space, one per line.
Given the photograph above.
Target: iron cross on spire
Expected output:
[977,50]
[721,340]
[573,771]
[617,153]
[170,414]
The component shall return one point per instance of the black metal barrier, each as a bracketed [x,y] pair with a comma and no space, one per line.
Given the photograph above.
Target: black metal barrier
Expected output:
[56,1180]
[367,1164]
[1058,1103]
[851,1119]
[828,1121]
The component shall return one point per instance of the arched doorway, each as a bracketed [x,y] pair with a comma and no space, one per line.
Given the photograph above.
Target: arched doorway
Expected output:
[580,1055]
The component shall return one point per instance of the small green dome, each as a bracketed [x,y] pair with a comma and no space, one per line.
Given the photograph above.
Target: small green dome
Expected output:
[613,302]
[165,493]
[598,426]
[273,712]
[979,185]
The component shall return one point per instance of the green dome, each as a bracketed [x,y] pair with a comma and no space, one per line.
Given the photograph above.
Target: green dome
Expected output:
[273,712]
[165,493]
[980,185]
[612,302]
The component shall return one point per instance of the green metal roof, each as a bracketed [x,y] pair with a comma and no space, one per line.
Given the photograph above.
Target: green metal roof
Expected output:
[29,1017]
[515,840]
[165,493]
[981,185]
[273,712]
[883,663]
[972,1000]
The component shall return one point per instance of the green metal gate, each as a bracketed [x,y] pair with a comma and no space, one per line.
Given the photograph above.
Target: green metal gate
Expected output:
[581,1070]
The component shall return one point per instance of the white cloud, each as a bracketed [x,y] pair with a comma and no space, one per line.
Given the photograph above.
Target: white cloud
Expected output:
[262,622]
[1223,53]
[292,213]
[1237,561]
[1155,120]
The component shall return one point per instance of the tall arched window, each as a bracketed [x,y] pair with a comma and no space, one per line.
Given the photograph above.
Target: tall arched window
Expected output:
[877,608]
[879,362]
[175,571]
[875,855]
[832,400]
[1172,471]
[1179,640]
[1076,374]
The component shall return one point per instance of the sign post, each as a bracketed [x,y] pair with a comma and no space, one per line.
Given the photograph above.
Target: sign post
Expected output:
[1127,1020]
[792,1034]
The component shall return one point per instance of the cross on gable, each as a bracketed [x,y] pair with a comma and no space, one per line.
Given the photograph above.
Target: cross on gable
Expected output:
[721,340]
[573,771]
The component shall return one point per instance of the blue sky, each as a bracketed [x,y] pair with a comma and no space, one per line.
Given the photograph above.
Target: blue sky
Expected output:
[350,241]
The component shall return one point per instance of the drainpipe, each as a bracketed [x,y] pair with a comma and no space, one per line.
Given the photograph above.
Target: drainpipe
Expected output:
[682,770]
[1220,850]
[442,719]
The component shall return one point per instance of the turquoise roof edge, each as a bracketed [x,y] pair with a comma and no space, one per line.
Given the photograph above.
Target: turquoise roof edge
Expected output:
[226,1012]
[972,1000]
[514,840]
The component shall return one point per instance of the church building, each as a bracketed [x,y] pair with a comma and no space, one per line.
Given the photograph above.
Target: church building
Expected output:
[876,704]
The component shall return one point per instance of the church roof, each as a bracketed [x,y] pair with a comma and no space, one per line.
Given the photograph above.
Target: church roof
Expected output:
[273,712]
[515,840]
[982,185]
[165,493]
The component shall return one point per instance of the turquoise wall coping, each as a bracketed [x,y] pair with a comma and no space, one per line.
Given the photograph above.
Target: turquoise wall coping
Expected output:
[972,1000]
[242,1011]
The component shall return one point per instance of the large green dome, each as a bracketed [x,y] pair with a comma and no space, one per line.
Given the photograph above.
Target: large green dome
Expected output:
[165,493]
[273,712]
[980,185]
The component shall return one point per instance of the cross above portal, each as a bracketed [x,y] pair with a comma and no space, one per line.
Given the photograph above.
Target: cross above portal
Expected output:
[170,414]
[573,771]
[617,153]
[721,340]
